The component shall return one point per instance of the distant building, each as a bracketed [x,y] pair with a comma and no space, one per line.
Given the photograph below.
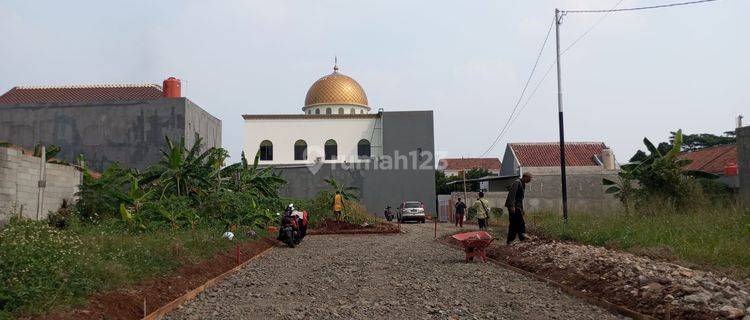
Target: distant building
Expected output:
[718,160]
[454,166]
[125,123]
[389,156]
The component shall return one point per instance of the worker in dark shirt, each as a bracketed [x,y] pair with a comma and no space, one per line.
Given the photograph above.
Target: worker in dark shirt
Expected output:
[460,211]
[514,203]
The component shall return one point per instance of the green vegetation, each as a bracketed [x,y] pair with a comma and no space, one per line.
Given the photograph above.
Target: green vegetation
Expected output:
[42,267]
[660,177]
[130,225]
[442,186]
[320,208]
[714,237]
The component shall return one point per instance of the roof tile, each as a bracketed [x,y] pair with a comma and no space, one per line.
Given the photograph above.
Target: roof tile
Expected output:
[547,154]
[80,94]
[470,163]
[711,160]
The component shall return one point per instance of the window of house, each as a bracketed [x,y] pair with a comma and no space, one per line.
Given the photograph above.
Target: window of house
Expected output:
[361,111]
[331,150]
[353,111]
[328,110]
[341,110]
[266,150]
[317,111]
[363,149]
[300,150]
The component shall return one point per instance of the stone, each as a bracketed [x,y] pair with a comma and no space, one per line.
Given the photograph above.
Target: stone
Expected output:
[731,312]
[698,298]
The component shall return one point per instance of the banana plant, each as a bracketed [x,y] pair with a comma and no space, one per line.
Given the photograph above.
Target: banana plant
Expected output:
[347,192]
[656,173]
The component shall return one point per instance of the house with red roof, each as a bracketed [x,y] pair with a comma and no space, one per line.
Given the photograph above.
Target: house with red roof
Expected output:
[106,123]
[544,157]
[719,160]
[454,166]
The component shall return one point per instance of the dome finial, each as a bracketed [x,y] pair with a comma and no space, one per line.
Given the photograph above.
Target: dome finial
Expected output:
[335,63]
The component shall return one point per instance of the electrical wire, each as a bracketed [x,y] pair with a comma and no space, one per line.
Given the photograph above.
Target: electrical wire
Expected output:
[640,8]
[523,92]
[514,115]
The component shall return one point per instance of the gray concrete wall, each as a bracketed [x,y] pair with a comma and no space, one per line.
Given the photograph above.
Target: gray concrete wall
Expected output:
[585,189]
[743,162]
[19,176]
[381,182]
[131,133]
[203,123]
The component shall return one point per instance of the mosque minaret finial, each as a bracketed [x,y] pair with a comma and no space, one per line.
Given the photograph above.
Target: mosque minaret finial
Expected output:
[335,63]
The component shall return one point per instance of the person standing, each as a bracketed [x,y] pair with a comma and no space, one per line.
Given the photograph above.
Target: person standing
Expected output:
[460,212]
[482,206]
[338,205]
[514,203]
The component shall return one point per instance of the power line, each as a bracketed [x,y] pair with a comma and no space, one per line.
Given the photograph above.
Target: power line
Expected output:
[640,8]
[523,92]
[513,114]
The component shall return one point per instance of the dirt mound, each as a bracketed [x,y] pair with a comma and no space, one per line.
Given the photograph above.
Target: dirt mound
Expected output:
[656,288]
[127,303]
[342,227]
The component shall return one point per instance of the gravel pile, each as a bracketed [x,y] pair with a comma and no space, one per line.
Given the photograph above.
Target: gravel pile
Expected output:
[402,276]
[665,287]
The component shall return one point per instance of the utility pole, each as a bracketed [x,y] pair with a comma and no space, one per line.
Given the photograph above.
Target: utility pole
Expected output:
[563,179]
[42,182]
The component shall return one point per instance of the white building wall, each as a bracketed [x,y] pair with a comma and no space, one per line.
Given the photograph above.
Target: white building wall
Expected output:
[283,133]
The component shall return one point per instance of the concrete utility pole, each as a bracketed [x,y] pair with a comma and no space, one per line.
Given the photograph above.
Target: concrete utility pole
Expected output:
[563,179]
[42,181]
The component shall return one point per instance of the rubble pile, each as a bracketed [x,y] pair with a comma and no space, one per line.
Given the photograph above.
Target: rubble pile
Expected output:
[657,288]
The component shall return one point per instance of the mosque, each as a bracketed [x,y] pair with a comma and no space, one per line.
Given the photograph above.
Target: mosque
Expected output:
[388,155]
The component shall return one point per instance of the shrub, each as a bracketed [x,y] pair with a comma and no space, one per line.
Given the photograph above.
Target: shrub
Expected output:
[320,209]
[40,267]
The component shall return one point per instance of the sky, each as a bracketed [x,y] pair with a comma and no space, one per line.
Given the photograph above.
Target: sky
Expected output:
[635,75]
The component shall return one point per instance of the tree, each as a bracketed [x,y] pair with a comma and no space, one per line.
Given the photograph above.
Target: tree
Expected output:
[243,177]
[692,142]
[185,172]
[347,192]
[658,175]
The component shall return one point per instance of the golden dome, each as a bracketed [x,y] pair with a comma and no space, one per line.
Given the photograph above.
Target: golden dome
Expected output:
[336,89]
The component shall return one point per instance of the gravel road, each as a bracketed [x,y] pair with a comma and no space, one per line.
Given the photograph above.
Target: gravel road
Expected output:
[402,276]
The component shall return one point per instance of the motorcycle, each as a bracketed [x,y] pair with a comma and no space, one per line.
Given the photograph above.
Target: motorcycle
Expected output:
[293,226]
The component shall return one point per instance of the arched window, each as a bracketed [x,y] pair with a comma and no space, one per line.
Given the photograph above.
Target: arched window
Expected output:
[353,111]
[328,110]
[300,150]
[317,111]
[363,149]
[309,111]
[361,111]
[331,150]
[341,110]
[266,150]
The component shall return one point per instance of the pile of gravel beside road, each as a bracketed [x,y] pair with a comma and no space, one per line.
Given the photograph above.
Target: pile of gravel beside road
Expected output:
[402,276]
[665,288]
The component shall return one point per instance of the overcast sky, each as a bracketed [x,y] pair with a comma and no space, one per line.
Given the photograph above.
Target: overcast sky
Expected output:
[635,75]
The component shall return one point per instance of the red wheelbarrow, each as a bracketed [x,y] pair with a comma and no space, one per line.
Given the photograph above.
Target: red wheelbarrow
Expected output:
[474,244]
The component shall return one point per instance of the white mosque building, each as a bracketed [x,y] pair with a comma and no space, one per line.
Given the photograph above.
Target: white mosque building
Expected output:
[335,126]
[387,155]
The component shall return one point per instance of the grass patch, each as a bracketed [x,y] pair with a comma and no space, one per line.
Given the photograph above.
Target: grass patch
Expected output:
[716,237]
[43,268]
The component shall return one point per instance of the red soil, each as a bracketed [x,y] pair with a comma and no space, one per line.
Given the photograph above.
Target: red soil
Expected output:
[342,227]
[127,303]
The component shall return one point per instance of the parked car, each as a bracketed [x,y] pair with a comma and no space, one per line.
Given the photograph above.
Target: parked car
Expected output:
[411,211]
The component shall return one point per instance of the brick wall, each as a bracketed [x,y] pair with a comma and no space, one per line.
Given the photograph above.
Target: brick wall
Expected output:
[19,191]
